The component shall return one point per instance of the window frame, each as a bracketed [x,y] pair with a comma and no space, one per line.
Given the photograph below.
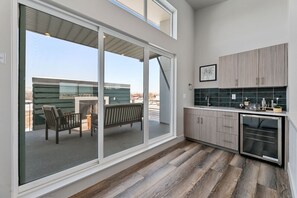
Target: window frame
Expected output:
[164,4]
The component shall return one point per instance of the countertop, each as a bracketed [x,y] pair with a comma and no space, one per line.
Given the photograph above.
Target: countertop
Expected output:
[238,110]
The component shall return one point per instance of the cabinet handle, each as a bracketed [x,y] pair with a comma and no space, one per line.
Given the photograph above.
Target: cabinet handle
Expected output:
[262,79]
[236,82]
[227,141]
[230,116]
[257,81]
[230,127]
[201,120]
[198,120]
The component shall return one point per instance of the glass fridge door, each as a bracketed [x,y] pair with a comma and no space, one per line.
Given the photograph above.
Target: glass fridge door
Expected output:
[261,137]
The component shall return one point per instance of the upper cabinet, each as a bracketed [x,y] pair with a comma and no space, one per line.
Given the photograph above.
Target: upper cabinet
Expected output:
[228,71]
[247,69]
[273,66]
[265,67]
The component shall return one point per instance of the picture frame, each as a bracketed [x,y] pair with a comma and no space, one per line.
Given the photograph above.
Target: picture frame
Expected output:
[208,73]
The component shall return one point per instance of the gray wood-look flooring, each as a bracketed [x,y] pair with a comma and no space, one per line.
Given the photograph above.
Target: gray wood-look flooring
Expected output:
[195,170]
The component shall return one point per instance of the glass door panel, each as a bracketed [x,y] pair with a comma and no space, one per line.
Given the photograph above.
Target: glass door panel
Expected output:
[57,96]
[123,89]
[160,70]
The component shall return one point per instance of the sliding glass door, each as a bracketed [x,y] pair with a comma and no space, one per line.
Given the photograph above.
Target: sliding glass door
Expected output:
[86,96]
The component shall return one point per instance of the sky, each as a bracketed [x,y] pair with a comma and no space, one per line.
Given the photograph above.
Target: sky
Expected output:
[55,58]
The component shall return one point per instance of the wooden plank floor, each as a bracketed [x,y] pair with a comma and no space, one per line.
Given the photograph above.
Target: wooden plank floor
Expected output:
[194,170]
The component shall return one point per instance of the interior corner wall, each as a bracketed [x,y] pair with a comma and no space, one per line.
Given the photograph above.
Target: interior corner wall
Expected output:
[235,26]
[292,95]
[5,104]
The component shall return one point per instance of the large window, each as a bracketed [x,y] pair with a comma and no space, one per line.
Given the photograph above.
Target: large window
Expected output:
[87,96]
[158,13]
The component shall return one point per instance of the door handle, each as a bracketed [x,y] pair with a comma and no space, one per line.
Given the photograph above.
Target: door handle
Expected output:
[262,79]
[198,120]
[236,82]
[230,127]
[257,81]
[201,120]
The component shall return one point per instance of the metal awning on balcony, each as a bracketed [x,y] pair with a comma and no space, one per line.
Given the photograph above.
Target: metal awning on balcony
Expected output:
[45,24]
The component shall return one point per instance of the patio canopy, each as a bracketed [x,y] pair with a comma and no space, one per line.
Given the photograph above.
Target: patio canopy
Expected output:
[46,24]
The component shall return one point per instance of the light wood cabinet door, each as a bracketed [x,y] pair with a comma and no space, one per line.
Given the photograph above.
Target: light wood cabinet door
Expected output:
[247,71]
[272,66]
[281,65]
[228,71]
[191,124]
[207,131]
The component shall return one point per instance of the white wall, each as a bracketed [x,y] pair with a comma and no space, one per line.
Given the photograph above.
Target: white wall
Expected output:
[292,85]
[107,13]
[5,102]
[235,26]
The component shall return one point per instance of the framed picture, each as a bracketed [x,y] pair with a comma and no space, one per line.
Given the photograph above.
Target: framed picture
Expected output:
[208,73]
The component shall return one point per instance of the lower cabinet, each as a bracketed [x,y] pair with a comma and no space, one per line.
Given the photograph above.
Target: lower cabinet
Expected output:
[200,125]
[214,127]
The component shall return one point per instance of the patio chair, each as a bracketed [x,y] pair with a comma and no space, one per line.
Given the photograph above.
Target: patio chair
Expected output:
[57,121]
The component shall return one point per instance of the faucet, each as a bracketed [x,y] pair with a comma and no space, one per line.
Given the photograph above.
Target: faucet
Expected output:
[207,98]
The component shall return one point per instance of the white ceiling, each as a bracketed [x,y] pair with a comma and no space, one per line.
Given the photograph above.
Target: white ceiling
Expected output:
[197,4]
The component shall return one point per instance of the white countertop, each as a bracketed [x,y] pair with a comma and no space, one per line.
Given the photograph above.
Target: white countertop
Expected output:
[232,109]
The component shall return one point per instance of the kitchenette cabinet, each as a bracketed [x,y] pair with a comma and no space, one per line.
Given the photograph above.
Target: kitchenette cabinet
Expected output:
[265,67]
[273,66]
[213,127]
[228,71]
[200,125]
[247,69]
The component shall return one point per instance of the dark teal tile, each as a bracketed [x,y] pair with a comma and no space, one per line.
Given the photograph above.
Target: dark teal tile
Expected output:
[249,94]
[213,90]
[214,95]
[266,89]
[250,90]
[225,104]
[224,90]
[280,95]
[236,90]
[224,100]
[265,95]
[280,89]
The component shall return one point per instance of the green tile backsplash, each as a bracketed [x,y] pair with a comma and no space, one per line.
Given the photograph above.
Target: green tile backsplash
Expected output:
[222,97]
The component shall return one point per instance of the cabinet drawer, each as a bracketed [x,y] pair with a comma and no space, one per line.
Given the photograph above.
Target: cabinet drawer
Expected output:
[208,113]
[227,140]
[190,111]
[225,114]
[227,125]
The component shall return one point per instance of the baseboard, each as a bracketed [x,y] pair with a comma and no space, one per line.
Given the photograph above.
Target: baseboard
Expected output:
[292,182]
